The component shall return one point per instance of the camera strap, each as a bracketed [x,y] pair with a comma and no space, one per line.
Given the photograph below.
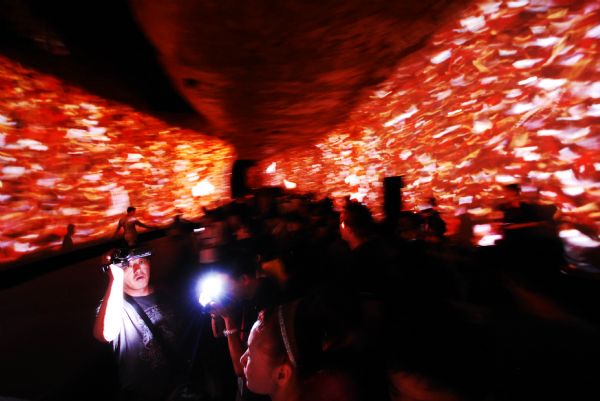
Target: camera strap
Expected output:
[177,362]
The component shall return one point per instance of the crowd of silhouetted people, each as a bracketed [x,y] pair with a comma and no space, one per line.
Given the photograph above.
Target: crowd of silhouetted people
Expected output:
[326,303]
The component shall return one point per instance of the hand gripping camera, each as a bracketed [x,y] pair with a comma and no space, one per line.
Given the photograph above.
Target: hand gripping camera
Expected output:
[122,257]
[212,289]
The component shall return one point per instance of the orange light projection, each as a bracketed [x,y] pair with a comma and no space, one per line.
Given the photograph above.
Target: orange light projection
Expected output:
[509,92]
[69,157]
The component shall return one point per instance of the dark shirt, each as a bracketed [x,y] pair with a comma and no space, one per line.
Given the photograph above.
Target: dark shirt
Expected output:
[145,371]
[526,213]
[369,265]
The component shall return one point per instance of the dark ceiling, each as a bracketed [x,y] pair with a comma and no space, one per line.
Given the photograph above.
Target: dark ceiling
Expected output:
[264,74]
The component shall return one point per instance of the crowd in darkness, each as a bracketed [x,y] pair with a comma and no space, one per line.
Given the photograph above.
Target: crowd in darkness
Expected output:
[327,303]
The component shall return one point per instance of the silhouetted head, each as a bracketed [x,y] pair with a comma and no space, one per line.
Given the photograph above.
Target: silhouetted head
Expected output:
[514,189]
[357,223]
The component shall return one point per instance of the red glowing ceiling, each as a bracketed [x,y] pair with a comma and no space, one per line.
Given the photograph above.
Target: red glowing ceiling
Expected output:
[69,157]
[508,92]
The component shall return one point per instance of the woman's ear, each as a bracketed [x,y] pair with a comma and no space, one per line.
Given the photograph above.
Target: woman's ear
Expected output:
[283,375]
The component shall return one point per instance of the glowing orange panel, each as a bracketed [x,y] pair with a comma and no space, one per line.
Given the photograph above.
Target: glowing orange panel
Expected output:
[69,157]
[509,92]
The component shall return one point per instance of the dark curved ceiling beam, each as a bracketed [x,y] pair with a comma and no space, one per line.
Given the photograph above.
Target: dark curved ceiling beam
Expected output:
[275,74]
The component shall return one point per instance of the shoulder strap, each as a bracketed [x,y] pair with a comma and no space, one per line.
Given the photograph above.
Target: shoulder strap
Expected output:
[175,359]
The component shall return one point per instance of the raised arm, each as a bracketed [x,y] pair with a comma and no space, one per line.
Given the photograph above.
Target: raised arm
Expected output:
[108,321]
[234,342]
[139,223]
[223,317]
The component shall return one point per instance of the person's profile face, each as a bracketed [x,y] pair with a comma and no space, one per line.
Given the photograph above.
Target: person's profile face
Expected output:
[257,363]
[137,274]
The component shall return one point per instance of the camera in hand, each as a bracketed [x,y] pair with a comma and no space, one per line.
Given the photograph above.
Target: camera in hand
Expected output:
[214,291]
[121,257]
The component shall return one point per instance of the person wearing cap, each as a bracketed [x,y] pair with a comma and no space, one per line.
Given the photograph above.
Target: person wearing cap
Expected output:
[144,365]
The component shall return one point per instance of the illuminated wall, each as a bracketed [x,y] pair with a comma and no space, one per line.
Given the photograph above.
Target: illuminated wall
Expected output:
[69,157]
[509,92]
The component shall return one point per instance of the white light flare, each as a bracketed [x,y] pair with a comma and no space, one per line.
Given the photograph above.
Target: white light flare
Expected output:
[13,171]
[526,63]
[272,168]
[441,57]
[352,179]
[465,200]
[489,240]
[577,238]
[527,81]
[517,4]
[289,184]
[203,188]
[211,288]
[551,84]
[409,113]
[134,157]
[481,126]
[358,196]
[594,32]
[473,24]
[506,179]
[482,229]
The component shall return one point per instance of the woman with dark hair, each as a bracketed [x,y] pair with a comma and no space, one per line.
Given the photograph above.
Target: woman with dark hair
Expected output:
[270,365]
[285,354]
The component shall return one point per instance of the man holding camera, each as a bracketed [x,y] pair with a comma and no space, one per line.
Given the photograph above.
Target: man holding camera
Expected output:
[140,326]
[236,311]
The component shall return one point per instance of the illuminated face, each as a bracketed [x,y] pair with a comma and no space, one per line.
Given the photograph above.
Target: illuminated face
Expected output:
[258,366]
[137,275]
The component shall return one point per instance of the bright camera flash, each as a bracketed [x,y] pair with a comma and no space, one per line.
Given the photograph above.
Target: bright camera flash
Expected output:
[211,288]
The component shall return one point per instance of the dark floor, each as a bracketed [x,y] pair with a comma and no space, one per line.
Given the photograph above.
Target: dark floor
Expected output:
[47,351]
